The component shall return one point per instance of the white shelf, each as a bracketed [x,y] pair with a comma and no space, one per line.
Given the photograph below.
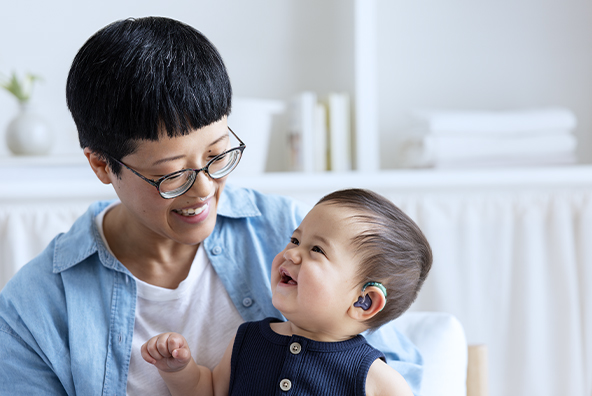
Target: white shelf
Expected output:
[42,160]
[70,177]
[404,181]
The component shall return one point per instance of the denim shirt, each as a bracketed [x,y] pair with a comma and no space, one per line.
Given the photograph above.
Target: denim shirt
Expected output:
[67,317]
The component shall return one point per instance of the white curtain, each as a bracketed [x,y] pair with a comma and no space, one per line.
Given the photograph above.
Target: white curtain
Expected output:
[515,267]
[26,229]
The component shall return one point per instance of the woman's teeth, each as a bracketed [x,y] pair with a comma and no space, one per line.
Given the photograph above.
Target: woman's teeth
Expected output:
[191,212]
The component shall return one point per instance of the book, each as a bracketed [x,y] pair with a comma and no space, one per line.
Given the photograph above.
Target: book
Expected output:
[340,138]
[307,134]
[320,148]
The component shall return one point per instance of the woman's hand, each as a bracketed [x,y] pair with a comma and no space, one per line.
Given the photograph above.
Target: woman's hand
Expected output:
[169,352]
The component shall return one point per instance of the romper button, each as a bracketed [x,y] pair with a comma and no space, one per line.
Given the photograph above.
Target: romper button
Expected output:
[217,250]
[285,385]
[247,302]
[295,348]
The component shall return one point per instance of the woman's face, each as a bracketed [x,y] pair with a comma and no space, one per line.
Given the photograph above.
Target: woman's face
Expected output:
[189,218]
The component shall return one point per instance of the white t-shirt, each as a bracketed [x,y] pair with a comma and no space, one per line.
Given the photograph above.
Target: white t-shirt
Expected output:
[199,308]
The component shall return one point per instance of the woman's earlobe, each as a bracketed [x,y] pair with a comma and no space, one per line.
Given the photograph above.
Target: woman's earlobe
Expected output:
[98,165]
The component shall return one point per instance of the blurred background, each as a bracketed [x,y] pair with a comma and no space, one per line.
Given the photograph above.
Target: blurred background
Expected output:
[486,55]
[512,255]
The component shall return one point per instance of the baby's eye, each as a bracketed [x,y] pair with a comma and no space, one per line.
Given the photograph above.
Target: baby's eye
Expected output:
[295,241]
[318,250]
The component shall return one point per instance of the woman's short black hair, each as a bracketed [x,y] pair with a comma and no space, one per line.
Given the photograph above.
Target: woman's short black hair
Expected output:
[136,79]
[391,250]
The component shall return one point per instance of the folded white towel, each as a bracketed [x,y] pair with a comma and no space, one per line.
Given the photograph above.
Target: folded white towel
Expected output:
[432,150]
[510,122]
[506,161]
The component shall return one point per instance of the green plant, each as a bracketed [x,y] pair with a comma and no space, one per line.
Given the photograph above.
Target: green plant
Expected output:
[20,88]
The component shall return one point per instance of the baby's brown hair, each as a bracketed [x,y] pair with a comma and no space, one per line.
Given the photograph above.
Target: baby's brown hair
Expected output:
[391,250]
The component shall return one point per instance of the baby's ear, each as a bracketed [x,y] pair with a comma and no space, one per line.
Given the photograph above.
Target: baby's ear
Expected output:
[371,302]
[98,165]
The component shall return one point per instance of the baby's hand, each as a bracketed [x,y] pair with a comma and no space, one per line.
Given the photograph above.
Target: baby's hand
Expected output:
[168,352]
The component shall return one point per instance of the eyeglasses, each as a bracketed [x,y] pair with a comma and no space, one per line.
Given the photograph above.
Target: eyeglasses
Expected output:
[178,183]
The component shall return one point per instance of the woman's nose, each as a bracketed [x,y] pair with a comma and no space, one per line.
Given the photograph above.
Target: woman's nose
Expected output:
[203,185]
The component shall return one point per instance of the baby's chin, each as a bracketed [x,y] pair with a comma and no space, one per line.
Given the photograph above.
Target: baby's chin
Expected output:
[278,305]
[275,304]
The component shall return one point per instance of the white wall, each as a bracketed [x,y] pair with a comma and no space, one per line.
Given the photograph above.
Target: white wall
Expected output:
[484,55]
[487,54]
[273,49]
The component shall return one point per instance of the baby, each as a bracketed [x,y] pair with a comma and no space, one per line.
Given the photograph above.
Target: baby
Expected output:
[355,263]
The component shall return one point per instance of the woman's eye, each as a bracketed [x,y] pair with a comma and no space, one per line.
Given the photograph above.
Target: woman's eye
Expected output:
[294,241]
[173,177]
[220,157]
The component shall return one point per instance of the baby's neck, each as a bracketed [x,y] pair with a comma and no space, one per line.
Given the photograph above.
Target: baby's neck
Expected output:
[289,329]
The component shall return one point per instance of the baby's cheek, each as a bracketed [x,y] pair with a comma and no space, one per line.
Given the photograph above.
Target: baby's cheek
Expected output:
[277,261]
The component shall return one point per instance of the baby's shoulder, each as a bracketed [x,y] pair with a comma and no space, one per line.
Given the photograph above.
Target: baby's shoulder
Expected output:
[384,380]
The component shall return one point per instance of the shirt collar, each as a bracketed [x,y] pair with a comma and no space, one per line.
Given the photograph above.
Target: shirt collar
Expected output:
[83,239]
[237,202]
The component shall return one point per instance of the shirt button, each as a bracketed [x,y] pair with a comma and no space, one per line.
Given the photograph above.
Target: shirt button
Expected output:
[285,385]
[217,250]
[247,302]
[295,348]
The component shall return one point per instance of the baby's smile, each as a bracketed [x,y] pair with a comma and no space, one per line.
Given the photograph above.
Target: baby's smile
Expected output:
[286,278]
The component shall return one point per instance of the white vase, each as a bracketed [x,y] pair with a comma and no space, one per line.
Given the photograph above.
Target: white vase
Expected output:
[28,133]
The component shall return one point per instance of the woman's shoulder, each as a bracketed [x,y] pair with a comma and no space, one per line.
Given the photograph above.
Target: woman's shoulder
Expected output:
[245,202]
[40,277]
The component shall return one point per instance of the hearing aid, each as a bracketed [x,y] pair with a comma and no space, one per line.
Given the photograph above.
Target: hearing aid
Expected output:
[364,301]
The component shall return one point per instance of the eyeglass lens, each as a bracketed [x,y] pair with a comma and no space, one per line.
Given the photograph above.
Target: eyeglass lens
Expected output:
[218,167]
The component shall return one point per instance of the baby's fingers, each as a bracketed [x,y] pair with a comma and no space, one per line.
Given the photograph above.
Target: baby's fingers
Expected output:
[181,354]
[167,351]
[168,342]
[150,352]
[157,348]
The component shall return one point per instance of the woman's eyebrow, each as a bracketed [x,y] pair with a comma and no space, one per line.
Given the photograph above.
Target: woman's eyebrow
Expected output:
[160,161]
[225,136]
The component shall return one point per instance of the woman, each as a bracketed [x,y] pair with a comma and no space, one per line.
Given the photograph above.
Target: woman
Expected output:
[178,251]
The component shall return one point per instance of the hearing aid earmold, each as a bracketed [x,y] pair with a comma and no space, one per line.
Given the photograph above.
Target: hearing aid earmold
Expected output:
[364,301]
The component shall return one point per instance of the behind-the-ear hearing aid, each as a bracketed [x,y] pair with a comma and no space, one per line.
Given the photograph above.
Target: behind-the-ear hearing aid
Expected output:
[364,301]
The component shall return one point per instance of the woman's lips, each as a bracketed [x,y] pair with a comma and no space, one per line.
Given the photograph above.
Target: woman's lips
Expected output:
[196,209]
[191,211]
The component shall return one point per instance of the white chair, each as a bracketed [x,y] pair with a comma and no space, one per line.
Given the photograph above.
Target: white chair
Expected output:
[451,367]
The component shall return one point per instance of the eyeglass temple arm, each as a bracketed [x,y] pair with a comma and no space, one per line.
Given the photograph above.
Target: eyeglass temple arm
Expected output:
[237,138]
[153,182]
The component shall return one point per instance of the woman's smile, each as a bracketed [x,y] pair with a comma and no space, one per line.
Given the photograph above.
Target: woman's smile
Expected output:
[194,214]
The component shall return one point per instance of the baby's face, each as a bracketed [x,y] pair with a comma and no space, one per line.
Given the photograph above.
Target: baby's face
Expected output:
[314,279]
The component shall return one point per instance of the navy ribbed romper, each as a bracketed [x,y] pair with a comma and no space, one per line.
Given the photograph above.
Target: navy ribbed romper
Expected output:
[265,363]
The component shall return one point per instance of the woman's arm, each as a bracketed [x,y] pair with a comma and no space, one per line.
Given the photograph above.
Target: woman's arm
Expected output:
[23,371]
